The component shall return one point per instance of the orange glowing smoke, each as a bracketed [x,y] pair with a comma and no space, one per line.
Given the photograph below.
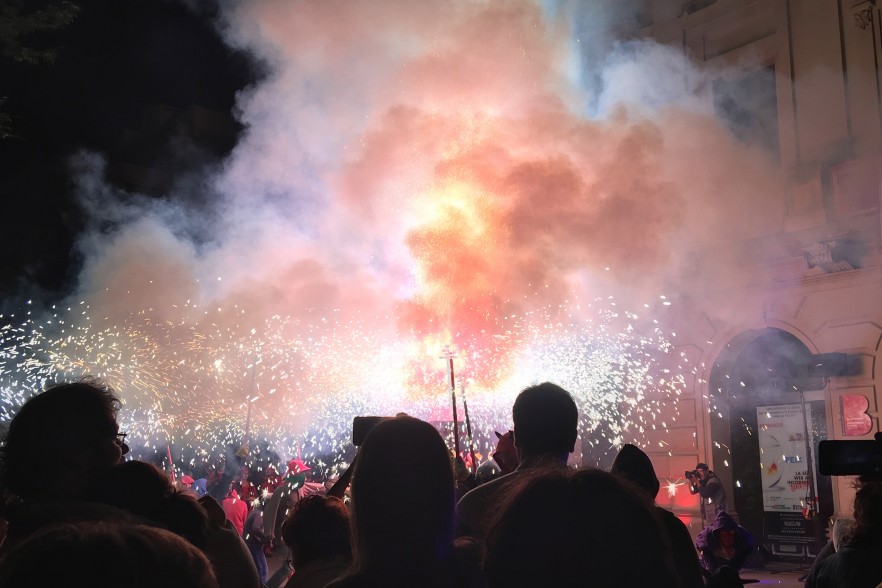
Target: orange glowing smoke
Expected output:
[499,228]
[432,167]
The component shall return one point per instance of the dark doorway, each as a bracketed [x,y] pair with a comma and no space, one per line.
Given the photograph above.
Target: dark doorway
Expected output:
[769,416]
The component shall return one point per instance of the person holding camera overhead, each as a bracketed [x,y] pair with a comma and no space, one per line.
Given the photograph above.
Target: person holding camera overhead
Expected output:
[704,482]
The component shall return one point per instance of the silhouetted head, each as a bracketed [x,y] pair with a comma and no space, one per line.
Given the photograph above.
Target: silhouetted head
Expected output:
[487,471]
[317,528]
[545,421]
[59,439]
[634,465]
[723,521]
[402,499]
[144,490]
[561,528]
[867,508]
[100,555]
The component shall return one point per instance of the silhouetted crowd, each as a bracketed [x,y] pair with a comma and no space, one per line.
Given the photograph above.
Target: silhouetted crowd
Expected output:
[403,514]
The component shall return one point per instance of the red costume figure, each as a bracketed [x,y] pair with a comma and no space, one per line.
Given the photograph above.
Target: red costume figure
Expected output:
[236,510]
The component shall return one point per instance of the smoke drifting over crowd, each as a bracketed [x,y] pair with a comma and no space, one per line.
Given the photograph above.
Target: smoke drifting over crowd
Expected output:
[415,174]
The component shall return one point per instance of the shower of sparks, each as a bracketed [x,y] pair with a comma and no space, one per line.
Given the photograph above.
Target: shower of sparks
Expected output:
[190,386]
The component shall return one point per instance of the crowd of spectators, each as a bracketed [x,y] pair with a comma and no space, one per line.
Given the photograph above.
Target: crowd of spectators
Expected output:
[410,519]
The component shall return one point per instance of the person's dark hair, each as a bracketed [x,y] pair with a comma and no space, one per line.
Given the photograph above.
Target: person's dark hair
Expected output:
[66,419]
[561,527]
[546,419]
[317,528]
[101,555]
[402,500]
[142,489]
[867,509]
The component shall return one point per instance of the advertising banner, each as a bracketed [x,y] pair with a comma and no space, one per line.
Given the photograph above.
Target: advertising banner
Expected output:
[783,457]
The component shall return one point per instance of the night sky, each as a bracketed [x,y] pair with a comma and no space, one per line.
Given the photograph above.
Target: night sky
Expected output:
[114,61]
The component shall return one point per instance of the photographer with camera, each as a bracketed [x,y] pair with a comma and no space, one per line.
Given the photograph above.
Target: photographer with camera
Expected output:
[704,482]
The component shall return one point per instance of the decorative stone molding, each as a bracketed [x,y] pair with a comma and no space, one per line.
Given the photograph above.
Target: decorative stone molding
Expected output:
[695,6]
[836,255]
[863,19]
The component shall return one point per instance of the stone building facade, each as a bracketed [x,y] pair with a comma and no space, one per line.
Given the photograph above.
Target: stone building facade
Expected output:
[782,347]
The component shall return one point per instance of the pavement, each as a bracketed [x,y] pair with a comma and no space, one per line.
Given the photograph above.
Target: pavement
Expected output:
[778,574]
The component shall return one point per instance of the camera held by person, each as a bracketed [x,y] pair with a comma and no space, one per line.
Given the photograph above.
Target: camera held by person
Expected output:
[707,485]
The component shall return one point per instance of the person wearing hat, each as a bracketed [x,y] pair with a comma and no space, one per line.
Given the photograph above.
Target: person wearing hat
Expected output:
[236,510]
[724,543]
[185,484]
[200,487]
[704,482]
[635,466]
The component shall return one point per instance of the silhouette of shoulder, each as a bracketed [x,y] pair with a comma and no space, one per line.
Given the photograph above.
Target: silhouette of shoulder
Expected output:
[475,509]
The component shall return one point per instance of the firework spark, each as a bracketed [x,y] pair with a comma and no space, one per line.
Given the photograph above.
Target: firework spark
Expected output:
[426,178]
[298,384]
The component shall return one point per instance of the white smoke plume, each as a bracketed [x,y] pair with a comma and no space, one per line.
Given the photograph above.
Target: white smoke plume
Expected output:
[392,143]
[427,171]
